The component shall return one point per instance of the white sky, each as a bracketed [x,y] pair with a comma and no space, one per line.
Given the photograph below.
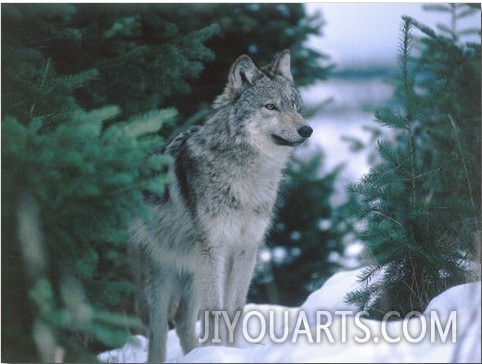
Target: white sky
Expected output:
[368,32]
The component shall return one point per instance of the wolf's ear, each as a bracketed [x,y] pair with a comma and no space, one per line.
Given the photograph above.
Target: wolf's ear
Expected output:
[243,74]
[243,70]
[281,65]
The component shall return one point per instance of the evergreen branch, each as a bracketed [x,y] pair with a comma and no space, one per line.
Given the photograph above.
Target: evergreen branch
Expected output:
[470,31]
[149,122]
[437,170]
[377,212]
[74,81]
[389,118]
[456,11]
[44,77]
[404,57]
[96,116]
[42,83]
[453,20]
[436,7]
[119,61]
[64,112]
[452,122]
[467,12]
[444,28]
[429,32]
[403,60]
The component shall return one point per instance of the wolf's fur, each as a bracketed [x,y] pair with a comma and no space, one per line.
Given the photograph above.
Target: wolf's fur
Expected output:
[201,248]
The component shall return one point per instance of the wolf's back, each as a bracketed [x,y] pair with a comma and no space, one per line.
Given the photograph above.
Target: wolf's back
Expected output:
[176,145]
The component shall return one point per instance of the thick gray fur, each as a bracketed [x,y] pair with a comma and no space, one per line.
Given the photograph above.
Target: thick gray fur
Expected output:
[200,250]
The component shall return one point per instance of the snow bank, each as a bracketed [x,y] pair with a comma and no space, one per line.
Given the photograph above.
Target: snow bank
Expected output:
[326,329]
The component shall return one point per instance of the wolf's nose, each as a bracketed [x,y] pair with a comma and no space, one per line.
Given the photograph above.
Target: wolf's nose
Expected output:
[305,131]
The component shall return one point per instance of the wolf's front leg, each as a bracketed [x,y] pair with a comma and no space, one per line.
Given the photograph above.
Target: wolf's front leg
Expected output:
[186,316]
[158,324]
[237,286]
[210,288]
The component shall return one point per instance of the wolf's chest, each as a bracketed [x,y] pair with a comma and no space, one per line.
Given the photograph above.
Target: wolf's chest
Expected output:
[236,227]
[253,193]
[240,210]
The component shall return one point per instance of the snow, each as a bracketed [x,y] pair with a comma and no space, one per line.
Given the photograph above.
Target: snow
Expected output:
[326,329]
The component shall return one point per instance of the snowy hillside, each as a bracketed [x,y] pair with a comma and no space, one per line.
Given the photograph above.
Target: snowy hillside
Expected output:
[325,329]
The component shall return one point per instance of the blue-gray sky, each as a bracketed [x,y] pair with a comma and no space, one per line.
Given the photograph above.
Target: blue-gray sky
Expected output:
[367,33]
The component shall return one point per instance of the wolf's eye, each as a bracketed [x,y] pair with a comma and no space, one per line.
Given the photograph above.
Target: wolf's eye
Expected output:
[270,106]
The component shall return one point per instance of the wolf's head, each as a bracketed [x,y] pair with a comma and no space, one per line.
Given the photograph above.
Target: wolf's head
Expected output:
[265,103]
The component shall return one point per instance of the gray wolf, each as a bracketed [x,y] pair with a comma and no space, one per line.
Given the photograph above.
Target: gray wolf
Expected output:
[199,252]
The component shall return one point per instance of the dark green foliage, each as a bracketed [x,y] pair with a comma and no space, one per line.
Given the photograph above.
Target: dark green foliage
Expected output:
[307,229]
[150,53]
[456,12]
[71,181]
[138,55]
[85,194]
[422,202]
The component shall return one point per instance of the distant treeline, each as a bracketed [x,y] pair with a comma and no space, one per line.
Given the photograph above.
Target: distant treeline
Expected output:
[385,72]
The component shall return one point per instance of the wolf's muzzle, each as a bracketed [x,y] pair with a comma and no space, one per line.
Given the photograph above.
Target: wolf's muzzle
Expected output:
[304,132]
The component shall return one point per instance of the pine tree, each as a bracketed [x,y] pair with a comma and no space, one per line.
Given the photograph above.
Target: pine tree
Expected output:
[71,187]
[137,57]
[72,178]
[422,202]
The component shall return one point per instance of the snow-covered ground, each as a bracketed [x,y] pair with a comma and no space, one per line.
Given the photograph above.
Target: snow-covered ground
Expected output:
[326,329]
